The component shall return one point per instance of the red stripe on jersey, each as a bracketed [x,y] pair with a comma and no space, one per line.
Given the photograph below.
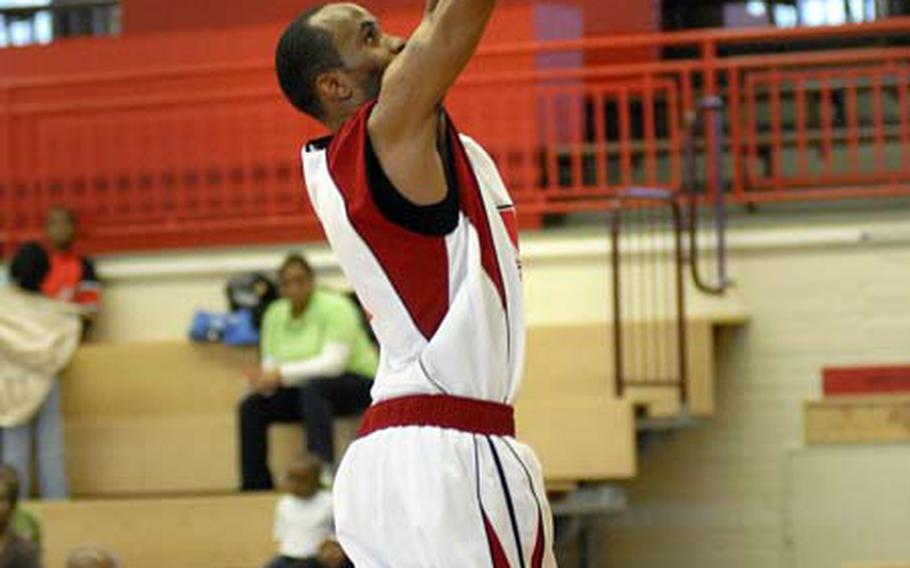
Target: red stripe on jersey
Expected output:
[510,220]
[472,206]
[415,264]
[537,557]
[497,553]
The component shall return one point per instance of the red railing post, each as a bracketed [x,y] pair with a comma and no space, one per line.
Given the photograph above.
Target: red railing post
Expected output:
[735,118]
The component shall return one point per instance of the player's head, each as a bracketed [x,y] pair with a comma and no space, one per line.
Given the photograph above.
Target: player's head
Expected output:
[295,278]
[60,227]
[303,476]
[331,59]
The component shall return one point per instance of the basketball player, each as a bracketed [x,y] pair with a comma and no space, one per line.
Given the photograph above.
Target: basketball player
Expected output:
[425,232]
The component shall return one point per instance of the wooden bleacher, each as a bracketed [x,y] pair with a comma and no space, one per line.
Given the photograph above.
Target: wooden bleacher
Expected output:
[858,420]
[197,532]
[160,418]
[152,449]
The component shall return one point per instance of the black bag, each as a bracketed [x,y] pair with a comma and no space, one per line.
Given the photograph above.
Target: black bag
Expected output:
[254,292]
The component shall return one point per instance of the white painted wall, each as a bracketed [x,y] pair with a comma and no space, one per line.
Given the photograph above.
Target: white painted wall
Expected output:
[848,506]
[714,496]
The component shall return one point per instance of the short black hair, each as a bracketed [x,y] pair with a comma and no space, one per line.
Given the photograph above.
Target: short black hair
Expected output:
[305,52]
[296,259]
[30,266]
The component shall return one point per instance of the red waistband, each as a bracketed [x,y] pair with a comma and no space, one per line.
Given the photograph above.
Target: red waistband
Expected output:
[464,414]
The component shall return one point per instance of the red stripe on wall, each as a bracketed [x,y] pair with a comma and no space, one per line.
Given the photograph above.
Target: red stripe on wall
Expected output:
[865,380]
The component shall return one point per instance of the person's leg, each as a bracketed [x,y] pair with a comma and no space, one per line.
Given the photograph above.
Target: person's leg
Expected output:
[49,439]
[350,394]
[318,416]
[321,399]
[16,443]
[257,412]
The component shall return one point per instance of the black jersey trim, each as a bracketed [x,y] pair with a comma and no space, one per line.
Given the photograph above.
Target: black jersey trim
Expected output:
[319,144]
[438,219]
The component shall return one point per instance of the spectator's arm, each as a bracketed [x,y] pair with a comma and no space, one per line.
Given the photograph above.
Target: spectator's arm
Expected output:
[267,339]
[331,362]
[88,290]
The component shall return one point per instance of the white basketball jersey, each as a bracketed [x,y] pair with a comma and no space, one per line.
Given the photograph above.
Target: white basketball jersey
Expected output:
[445,296]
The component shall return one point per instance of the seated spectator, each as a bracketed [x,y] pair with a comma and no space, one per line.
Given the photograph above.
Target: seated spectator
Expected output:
[91,558]
[317,362]
[72,277]
[25,525]
[37,339]
[304,521]
[15,552]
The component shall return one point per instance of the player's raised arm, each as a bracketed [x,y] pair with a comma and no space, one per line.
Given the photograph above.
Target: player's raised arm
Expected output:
[405,122]
[416,82]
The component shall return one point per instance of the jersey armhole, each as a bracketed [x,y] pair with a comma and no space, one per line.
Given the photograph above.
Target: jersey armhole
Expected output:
[438,219]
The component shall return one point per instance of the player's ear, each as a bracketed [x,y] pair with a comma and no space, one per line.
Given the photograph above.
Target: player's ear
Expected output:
[334,86]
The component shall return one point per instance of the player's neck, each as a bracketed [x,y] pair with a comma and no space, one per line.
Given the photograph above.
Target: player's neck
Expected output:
[335,124]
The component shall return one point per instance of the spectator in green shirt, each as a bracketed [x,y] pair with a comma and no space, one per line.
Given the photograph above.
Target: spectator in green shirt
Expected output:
[317,363]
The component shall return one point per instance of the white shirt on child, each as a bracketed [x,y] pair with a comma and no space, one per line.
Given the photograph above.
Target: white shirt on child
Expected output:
[302,525]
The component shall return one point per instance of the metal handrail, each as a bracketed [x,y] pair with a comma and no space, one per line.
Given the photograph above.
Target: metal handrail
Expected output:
[669,200]
[710,110]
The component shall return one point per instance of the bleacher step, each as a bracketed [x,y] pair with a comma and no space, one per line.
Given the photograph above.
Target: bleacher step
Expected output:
[858,420]
[204,532]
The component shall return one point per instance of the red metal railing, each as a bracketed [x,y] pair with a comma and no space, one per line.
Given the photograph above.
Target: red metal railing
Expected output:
[207,155]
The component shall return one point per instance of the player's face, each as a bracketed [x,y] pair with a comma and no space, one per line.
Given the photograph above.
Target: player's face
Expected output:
[364,48]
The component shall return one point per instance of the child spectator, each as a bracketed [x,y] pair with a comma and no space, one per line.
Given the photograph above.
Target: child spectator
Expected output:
[15,552]
[303,521]
[72,277]
[91,558]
